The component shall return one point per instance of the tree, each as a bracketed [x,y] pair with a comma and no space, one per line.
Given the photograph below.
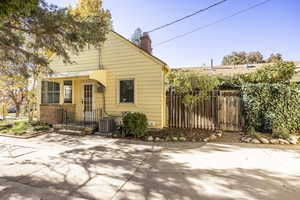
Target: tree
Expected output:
[235,58]
[27,42]
[275,58]
[275,73]
[16,89]
[136,37]
[193,87]
[19,7]
[255,58]
[24,39]
[4,101]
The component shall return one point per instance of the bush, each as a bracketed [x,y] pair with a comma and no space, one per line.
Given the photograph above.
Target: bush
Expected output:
[135,124]
[34,123]
[282,133]
[41,128]
[272,108]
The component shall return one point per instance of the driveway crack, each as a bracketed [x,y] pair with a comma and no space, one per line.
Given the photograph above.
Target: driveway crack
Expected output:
[133,173]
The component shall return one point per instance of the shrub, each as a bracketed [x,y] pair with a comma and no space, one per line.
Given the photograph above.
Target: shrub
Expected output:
[41,128]
[34,123]
[282,133]
[135,124]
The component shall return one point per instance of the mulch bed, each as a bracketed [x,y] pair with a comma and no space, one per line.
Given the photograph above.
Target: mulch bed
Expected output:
[230,137]
[197,134]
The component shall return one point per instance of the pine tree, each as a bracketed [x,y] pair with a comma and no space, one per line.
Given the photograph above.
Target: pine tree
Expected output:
[136,37]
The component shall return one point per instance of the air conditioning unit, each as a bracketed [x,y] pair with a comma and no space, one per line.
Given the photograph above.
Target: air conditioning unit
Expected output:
[107,125]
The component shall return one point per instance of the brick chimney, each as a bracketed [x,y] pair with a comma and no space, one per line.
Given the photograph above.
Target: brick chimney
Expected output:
[146,43]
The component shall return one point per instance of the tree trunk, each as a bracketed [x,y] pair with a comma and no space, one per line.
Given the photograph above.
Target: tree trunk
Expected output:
[18,110]
[32,100]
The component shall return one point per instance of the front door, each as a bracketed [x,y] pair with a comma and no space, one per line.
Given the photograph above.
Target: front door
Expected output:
[87,102]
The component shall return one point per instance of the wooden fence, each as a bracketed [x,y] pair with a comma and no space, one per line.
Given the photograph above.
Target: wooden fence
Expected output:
[222,110]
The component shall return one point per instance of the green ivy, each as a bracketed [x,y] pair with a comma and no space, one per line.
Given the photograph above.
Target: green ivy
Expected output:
[273,108]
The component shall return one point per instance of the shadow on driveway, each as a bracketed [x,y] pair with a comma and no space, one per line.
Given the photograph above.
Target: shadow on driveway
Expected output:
[134,170]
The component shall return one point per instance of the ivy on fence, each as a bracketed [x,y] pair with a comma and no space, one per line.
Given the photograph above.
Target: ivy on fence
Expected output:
[272,108]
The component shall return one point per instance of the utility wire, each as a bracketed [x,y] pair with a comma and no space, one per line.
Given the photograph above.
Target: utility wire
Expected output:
[188,16]
[215,22]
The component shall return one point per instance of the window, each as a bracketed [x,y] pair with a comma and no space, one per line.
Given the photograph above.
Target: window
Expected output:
[126,91]
[50,92]
[68,91]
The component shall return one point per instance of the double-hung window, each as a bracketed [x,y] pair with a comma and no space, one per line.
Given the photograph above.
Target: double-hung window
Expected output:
[50,92]
[126,91]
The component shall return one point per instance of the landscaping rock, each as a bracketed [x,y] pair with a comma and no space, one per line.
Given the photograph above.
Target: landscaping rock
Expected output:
[219,134]
[213,137]
[175,139]
[248,140]
[293,139]
[264,140]
[168,139]
[274,141]
[157,139]
[205,139]
[194,140]
[182,139]
[88,130]
[150,139]
[282,141]
[243,139]
[255,141]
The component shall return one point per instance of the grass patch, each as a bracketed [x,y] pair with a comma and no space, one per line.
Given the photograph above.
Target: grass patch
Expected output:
[20,128]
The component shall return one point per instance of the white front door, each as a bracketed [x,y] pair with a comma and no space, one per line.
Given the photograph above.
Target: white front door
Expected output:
[87,101]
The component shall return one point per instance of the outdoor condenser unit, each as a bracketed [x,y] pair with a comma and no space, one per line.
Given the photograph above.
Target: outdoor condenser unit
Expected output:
[107,125]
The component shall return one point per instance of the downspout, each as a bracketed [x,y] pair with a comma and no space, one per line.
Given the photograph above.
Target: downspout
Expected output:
[103,95]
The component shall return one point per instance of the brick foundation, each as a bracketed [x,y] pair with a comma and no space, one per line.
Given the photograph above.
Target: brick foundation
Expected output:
[52,114]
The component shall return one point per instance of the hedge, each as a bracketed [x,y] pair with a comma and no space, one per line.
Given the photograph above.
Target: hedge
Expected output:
[273,108]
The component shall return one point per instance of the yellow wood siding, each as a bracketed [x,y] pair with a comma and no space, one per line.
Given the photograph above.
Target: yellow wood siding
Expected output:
[125,61]
[85,61]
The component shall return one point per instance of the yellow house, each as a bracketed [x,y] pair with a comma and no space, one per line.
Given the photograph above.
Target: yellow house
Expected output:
[117,78]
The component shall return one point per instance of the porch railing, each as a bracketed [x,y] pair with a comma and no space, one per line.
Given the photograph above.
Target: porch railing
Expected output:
[88,119]
[92,118]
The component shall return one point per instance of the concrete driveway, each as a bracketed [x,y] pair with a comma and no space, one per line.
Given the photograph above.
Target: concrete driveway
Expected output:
[54,167]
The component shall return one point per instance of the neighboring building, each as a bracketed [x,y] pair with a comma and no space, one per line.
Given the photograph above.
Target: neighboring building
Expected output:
[119,77]
[230,70]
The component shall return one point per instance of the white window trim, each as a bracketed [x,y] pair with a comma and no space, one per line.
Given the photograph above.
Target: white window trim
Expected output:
[134,91]
[63,83]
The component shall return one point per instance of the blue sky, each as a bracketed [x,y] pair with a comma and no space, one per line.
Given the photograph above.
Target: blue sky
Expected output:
[272,27]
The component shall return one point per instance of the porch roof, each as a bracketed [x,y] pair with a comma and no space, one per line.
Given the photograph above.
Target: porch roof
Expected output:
[98,75]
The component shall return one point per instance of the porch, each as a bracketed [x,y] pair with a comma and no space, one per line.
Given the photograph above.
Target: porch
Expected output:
[73,98]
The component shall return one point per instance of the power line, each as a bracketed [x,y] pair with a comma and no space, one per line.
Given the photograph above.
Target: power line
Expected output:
[183,18]
[215,22]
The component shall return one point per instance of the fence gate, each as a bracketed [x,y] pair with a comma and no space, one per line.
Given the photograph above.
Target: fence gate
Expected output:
[230,110]
[221,110]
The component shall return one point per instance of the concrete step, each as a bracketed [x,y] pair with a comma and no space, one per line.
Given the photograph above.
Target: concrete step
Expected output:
[71,132]
[74,127]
